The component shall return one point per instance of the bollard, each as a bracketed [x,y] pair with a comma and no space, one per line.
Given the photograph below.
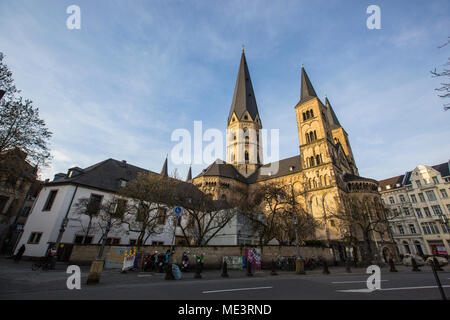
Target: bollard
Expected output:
[392,265]
[436,264]
[325,267]
[249,269]
[224,270]
[198,271]
[436,277]
[347,266]
[273,272]
[414,265]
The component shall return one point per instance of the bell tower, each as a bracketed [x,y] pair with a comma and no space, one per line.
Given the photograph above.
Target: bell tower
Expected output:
[244,125]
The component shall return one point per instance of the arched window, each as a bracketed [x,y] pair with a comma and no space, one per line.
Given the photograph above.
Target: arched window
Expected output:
[307,138]
[232,157]
[311,161]
[315,183]
[309,183]
[246,156]
[304,116]
[318,160]
[311,113]
[307,115]
[315,135]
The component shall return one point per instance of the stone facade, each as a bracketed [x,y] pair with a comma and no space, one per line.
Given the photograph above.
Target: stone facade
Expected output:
[420,205]
[323,174]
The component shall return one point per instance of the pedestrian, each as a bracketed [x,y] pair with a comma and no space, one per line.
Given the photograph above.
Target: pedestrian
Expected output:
[20,253]
[202,259]
[51,257]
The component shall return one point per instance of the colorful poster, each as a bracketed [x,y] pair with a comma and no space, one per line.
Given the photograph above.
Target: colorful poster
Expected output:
[254,256]
[128,260]
[114,258]
[233,262]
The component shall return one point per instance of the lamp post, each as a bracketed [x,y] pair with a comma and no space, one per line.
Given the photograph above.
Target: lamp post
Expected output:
[299,262]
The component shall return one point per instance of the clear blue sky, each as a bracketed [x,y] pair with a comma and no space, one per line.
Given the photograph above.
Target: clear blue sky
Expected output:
[137,70]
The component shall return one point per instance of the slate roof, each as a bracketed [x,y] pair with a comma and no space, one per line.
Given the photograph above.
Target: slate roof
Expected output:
[405,179]
[307,91]
[220,168]
[335,122]
[105,175]
[244,97]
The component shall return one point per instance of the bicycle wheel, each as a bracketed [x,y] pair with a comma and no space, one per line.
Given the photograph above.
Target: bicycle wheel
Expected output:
[35,266]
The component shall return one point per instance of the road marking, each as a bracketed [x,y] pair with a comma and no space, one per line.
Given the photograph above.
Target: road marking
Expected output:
[239,289]
[391,289]
[145,275]
[364,281]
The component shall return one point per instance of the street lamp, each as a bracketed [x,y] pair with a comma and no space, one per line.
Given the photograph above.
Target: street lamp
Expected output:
[299,262]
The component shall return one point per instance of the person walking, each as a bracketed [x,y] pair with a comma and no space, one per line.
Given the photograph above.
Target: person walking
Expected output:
[20,253]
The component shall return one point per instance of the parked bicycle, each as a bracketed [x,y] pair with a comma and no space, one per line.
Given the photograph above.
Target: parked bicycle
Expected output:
[42,264]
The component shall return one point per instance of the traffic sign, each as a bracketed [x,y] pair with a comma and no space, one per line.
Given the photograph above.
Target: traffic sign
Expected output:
[177,211]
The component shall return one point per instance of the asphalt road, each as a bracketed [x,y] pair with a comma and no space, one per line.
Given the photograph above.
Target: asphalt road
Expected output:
[19,282]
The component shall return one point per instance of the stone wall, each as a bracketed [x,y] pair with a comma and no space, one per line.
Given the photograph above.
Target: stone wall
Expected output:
[85,254]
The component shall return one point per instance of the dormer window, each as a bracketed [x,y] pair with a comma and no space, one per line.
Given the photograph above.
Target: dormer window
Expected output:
[122,183]
[291,168]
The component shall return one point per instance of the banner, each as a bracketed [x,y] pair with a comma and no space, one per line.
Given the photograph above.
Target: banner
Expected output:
[114,258]
[253,255]
[233,262]
[128,260]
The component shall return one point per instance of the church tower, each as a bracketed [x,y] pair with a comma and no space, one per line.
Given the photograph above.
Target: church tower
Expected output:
[244,125]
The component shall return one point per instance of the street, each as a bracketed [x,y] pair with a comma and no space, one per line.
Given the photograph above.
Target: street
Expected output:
[18,281]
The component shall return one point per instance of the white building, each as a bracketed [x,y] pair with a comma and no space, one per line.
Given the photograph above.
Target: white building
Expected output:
[58,199]
[420,202]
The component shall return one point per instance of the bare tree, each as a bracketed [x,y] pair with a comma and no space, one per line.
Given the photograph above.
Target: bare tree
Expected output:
[445,86]
[360,221]
[204,217]
[151,196]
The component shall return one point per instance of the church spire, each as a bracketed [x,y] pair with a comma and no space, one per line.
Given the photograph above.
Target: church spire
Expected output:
[189,175]
[244,97]
[164,171]
[306,91]
[334,120]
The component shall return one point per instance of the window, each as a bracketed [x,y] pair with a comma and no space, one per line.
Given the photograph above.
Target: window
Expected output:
[400,230]
[120,208]
[427,211]
[35,237]
[437,210]
[448,208]
[50,200]
[431,196]
[3,202]
[435,180]
[419,184]
[133,242]
[429,228]
[26,211]
[412,229]
[406,210]
[395,212]
[79,239]
[113,241]
[422,197]
[445,228]
[162,216]
[402,198]
[157,243]
[419,213]
[444,193]
[94,204]
[122,183]
[413,198]
[391,200]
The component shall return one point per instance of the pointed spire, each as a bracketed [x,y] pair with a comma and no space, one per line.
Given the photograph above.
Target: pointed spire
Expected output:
[244,97]
[189,175]
[164,171]
[334,120]
[306,91]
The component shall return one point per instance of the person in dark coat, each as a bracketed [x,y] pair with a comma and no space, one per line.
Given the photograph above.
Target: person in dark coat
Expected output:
[20,253]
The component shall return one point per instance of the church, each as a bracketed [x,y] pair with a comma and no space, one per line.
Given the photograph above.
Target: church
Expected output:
[323,174]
